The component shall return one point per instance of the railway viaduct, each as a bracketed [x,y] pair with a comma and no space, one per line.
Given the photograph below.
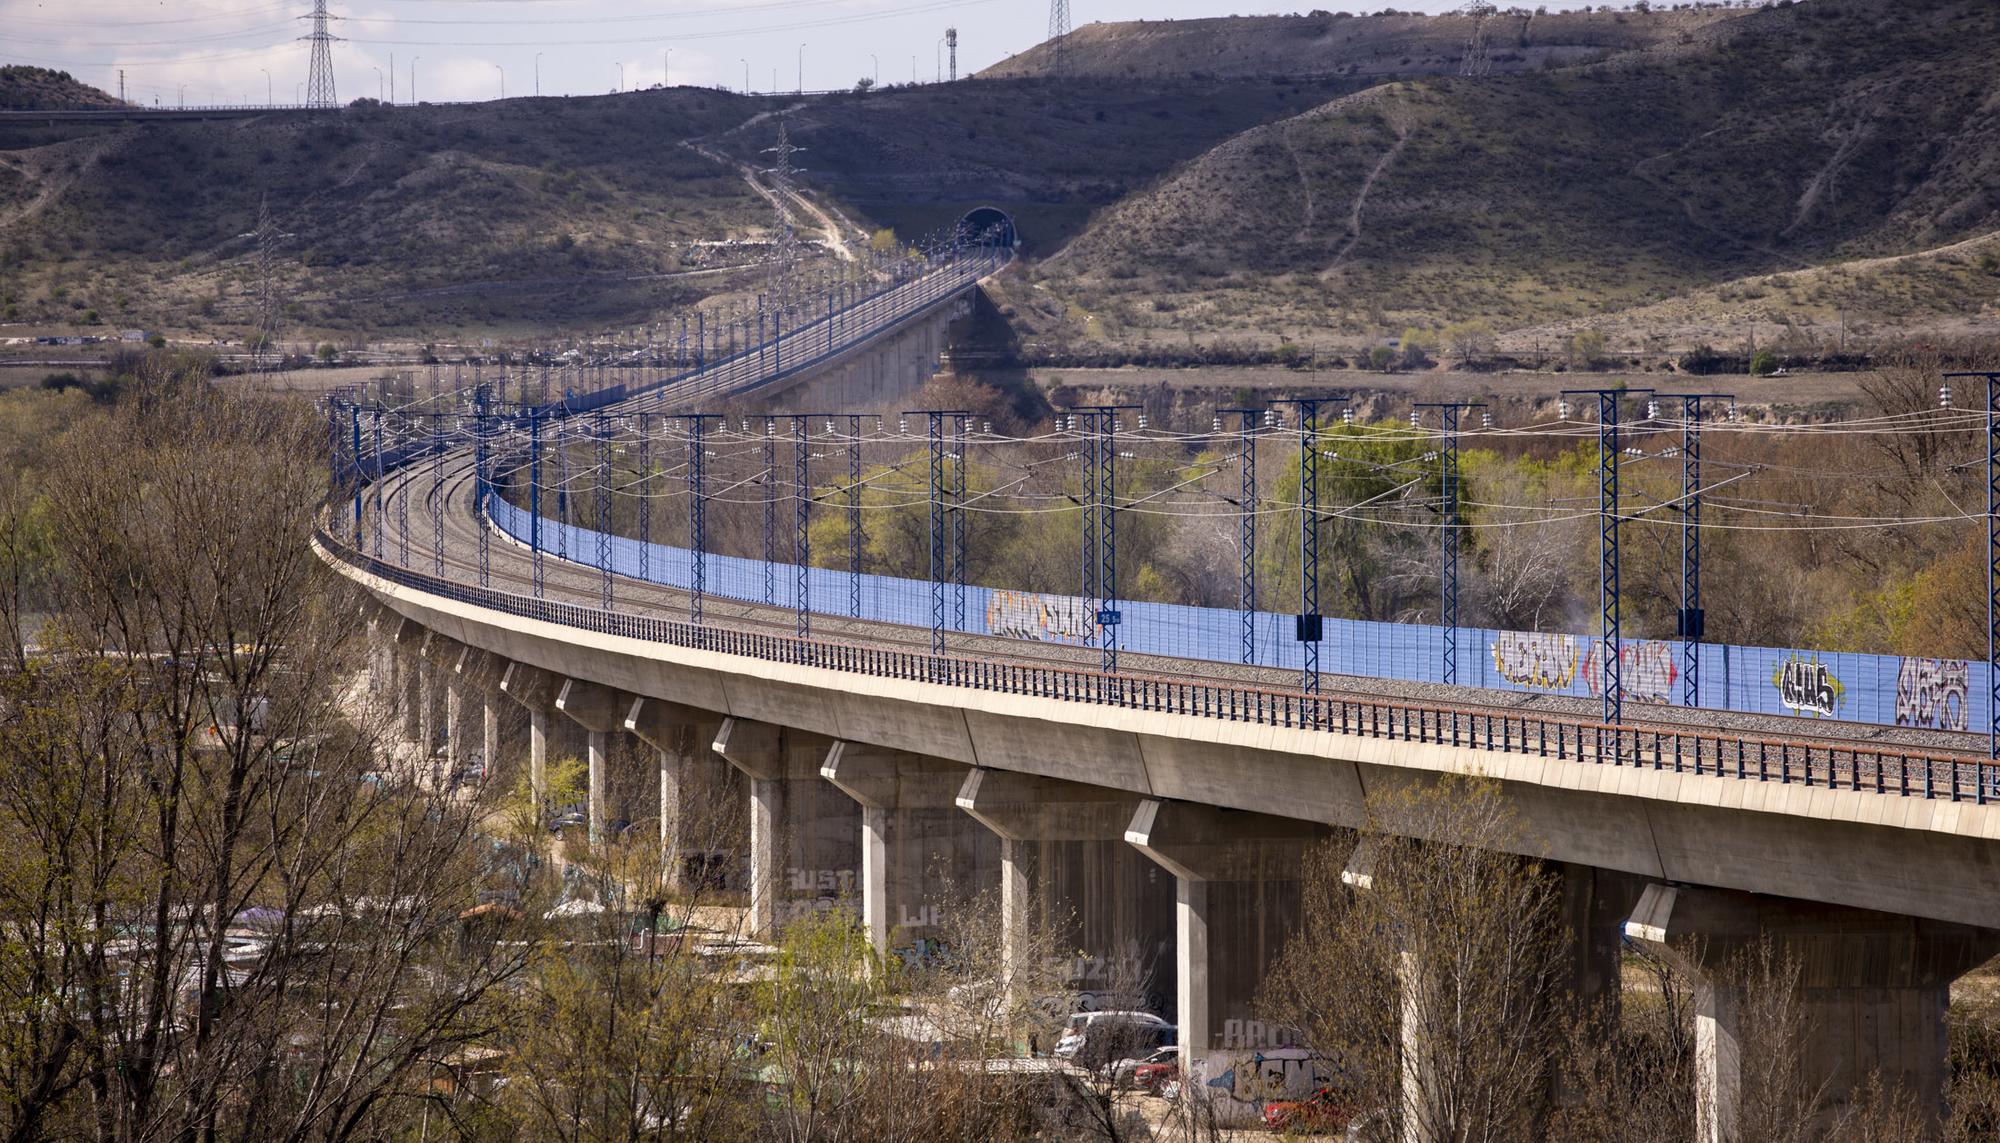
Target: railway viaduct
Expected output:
[1167,812]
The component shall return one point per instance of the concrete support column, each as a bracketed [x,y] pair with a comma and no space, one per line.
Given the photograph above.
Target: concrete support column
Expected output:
[754,748]
[687,785]
[489,739]
[1233,860]
[916,848]
[536,690]
[427,684]
[1871,991]
[454,727]
[1064,863]
[600,710]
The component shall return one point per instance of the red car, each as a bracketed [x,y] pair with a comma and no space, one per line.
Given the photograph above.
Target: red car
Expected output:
[1152,1077]
[1323,1110]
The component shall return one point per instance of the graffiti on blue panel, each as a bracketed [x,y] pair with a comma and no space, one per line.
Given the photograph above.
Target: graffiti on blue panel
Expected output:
[1646,670]
[1046,618]
[1932,692]
[1808,687]
[1535,659]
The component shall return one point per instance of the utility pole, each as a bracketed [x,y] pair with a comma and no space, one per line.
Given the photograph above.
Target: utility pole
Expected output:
[1992,380]
[1310,624]
[1449,526]
[1246,531]
[943,562]
[1610,643]
[1691,621]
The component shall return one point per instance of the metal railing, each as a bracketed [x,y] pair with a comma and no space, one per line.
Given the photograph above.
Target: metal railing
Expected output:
[1832,765]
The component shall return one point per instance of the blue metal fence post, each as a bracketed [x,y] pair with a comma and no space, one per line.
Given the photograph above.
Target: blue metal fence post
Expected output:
[802,521]
[535,495]
[360,472]
[1610,641]
[958,471]
[1692,621]
[1246,529]
[1448,531]
[697,515]
[602,430]
[645,498]
[482,470]
[854,515]
[770,510]
[1310,624]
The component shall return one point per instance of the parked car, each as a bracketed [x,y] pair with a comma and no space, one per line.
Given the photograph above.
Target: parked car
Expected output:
[1094,1039]
[1158,1076]
[1325,1110]
[1148,1071]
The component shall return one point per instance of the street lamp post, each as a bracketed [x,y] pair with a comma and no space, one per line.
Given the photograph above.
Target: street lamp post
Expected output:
[503,80]
[802,69]
[746,76]
[269,100]
[381,87]
[621,77]
[667,70]
[184,96]
[538,73]
[413,79]
[878,66]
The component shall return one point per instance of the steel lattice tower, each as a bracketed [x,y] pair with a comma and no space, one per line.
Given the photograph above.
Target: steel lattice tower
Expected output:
[951,44]
[1058,33]
[319,75]
[782,173]
[1476,61]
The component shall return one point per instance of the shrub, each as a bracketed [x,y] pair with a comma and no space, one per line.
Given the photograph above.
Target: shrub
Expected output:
[1763,363]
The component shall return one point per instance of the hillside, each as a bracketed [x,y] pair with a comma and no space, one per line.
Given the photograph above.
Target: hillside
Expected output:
[1774,142]
[40,89]
[391,218]
[1375,47]
[917,158]
[550,215]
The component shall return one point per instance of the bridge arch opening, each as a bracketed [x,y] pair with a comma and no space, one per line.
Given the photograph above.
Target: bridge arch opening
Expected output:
[989,226]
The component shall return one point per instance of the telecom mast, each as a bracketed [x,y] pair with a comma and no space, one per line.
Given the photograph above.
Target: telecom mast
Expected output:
[319,75]
[951,42]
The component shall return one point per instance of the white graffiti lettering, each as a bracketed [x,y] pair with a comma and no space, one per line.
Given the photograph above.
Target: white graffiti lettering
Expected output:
[826,882]
[1044,618]
[1646,670]
[1807,686]
[1258,1077]
[1932,692]
[1245,1034]
[1534,659]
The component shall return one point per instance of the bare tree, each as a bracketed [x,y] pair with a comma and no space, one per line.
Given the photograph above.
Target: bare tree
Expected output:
[1430,975]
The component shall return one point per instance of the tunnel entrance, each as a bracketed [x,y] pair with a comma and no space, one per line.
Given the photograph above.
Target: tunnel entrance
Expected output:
[989,226]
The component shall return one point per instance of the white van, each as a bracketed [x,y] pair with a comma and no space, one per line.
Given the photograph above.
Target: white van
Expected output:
[1094,1038]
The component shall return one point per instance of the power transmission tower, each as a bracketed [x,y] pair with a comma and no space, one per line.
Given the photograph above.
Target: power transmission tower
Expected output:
[319,75]
[782,173]
[1476,61]
[951,43]
[268,305]
[1058,34]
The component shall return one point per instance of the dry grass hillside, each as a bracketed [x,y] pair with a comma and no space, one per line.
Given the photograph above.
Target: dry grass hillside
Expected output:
[24,88]
[393,218]
[1772,143]
[916,158]
[1323,44]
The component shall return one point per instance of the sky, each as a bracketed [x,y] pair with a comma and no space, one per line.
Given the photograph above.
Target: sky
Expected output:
[246,51]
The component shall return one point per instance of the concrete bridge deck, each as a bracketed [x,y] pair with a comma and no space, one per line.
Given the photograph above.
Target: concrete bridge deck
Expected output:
[1170,809]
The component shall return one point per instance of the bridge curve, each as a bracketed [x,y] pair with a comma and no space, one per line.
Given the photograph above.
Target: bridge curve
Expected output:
[1672,828]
